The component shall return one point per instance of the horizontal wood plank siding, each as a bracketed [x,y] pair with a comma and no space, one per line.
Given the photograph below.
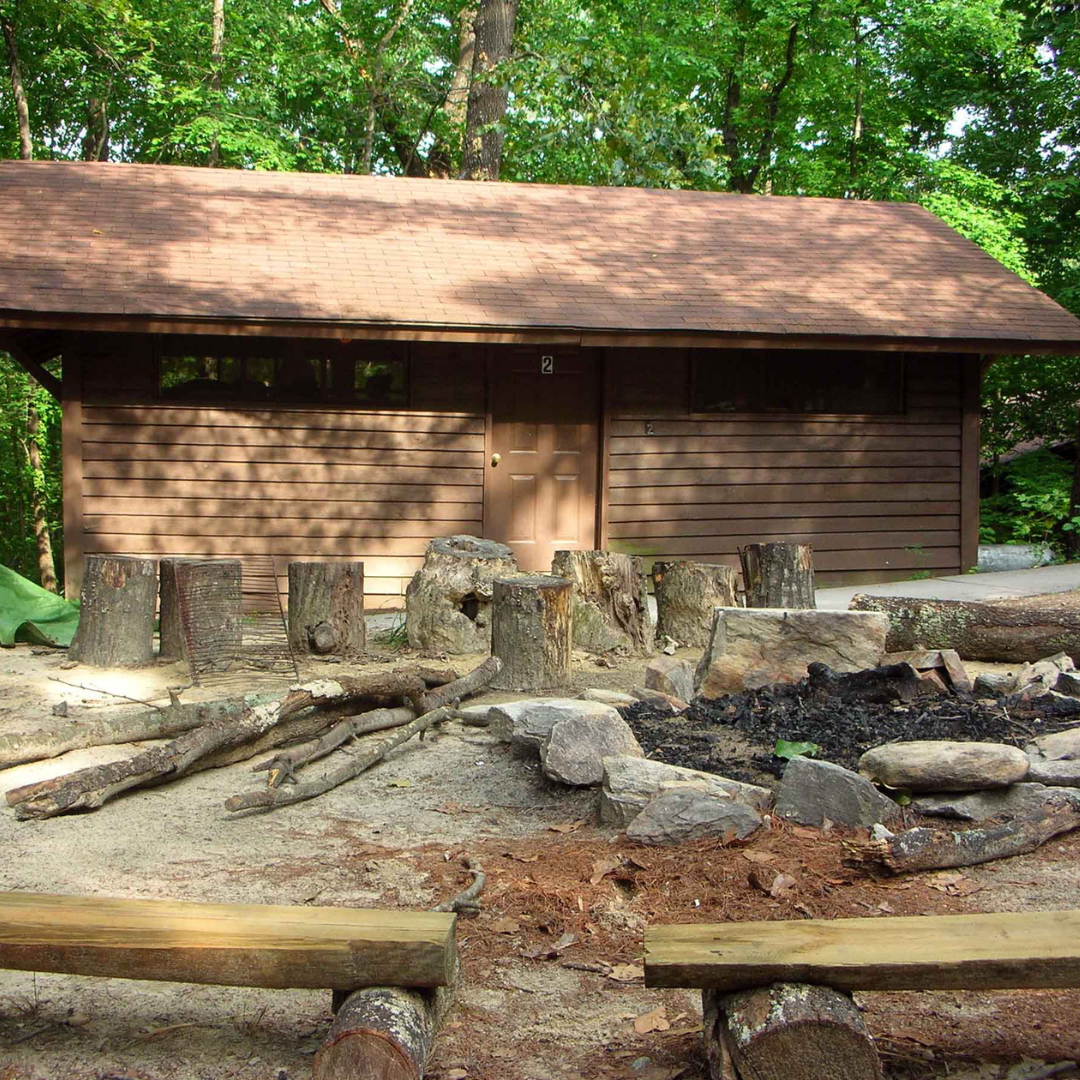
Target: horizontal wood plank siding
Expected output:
[292,482]
[876,496]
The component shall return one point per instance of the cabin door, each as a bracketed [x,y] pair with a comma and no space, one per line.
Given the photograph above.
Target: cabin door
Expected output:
[541,480]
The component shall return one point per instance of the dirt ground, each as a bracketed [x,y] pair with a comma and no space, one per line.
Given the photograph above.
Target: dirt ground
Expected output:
[395,837]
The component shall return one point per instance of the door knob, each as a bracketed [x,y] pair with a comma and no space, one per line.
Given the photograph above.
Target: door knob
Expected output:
[495,459]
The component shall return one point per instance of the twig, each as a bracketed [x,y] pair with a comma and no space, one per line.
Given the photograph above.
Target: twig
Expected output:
[467,899]
[110,693]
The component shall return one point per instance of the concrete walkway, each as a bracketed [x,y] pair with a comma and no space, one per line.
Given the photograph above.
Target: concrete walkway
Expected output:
[1042,579]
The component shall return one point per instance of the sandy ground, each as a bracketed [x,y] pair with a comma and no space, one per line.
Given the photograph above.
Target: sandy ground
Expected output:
[394,837]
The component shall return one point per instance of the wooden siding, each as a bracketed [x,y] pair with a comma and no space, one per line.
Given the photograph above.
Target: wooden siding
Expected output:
[292,481]
[878,497]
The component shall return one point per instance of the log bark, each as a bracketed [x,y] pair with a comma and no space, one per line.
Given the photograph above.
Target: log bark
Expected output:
[611,608]
[778,575]
[201,610]
[326,608]
[1008,632]
[877,686]
[116,617]
[939,849]
[464,687]
[532,632]
[686,594]
[787,1030]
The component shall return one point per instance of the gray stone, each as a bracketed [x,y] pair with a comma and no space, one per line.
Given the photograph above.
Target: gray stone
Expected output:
[670,676]
[812,791]
[608,697]
[753,647]
[1064,773]
[574,751]
[692,812]
[478,715]
[937,765]
[658,697]
[526,724]
[1010,802]
[991,685]
[1068,683]
[1061,746]
[630,783]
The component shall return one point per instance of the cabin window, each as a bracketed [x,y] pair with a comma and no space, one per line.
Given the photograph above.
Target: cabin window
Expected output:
[297,377]
[797,381]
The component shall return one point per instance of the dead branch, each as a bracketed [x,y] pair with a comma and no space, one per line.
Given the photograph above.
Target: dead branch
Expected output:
[478,678]
[107,693]
[468,899]
[433,677]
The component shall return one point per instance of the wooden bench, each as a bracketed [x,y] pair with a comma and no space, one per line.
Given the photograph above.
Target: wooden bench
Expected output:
[760,1031]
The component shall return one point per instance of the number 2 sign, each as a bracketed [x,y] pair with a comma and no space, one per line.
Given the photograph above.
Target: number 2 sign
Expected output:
[547,365]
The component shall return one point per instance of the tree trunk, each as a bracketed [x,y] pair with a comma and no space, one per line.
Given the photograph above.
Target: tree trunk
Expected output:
[42,538]
[787,1030]
[488,93]
[1072,537]
[201,612]
[457,98]
[116,616]
[22,110]
[326,608]
[217,49]
[96,140]
[611,608]
[778,575]
[532,631]
[1008,632]
[686,593]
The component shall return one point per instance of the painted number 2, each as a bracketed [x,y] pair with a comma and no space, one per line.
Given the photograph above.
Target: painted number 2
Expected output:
[547,365]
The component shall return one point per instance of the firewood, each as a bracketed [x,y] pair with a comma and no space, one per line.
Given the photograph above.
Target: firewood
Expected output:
[778,575]
[881,685]
[464,687]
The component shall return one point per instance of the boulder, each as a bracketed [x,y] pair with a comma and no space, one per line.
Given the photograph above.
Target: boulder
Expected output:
[1055,773]
[991,685]
[526,724]
[812,791]
[937,765]
[692,812]
[670,676]
[574,750]
[630,783]
[753,647]
[1061,746]
[608,697]
[1019,800]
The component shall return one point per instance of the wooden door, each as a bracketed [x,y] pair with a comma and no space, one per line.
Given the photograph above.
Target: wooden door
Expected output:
[541,483]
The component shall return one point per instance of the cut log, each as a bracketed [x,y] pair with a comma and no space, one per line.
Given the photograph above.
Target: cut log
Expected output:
[273,946]
[787,1030]
[686,594]
[116,614]
[611,604]
[878,686]
[778,575]
[448,602]
[326,608]
[1010,631]
[201,612]
[532,632]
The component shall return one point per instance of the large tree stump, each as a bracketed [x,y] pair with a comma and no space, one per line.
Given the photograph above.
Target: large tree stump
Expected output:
[784,1031]
[1010,631]
[448,601]
[532,631]
[778,575]
[611,609]
[326,608]
[686,594]
[116,615]
[201,611]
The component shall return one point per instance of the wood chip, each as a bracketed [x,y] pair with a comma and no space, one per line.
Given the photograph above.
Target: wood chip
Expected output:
[627,973]
[568,827]
[652,1021]
[602,867]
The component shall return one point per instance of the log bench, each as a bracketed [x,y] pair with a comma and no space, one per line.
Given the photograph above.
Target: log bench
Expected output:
[404,958]
[776,994]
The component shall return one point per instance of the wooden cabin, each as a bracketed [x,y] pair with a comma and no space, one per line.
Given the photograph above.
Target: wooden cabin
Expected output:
[284,366]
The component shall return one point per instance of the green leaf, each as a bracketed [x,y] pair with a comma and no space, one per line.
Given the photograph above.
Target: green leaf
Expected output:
[788,750]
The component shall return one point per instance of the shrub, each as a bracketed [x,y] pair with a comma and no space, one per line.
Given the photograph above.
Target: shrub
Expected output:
[1033,505]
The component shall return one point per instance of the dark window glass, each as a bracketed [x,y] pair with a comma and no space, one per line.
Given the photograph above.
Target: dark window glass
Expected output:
[797,381]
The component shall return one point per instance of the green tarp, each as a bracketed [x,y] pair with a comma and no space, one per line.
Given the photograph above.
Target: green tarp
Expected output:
[30,613]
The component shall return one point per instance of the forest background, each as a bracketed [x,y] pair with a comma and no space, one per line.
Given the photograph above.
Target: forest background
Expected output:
[969,107]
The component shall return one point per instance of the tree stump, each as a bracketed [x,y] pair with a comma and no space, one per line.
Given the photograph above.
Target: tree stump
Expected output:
[201,611]
[611,609]
[326,608]
[778,575]
[686,594]
[116,615]
[532,631]
[448,601]
[787,1030]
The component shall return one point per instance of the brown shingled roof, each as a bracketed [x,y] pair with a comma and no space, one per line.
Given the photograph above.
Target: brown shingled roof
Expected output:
[140,241]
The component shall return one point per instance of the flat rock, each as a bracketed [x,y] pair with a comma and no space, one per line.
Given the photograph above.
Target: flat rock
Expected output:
[937,765]
[608,697]
[1061,746]
[812,791]
[692,812]
[526,724]
[574,750]
[753,647]
[630,783]
[670,676]
[1006,803]
[1064,773]
[658,697]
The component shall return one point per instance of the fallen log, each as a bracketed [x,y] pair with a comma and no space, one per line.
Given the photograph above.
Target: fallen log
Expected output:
[464,687]
[1010,631]
[940,849]
[880,685]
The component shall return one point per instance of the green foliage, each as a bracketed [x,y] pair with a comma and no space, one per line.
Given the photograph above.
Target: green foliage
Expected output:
[1033,506]
[788,750]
